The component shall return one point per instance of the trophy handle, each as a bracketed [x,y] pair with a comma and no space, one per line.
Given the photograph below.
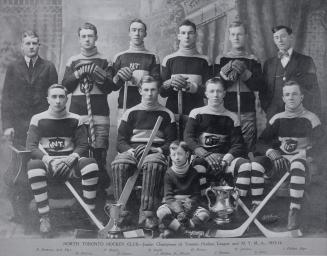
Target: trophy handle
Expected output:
[208,198]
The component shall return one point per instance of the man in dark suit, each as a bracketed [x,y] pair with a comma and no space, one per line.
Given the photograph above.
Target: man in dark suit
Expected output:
[25,88]
[288,65]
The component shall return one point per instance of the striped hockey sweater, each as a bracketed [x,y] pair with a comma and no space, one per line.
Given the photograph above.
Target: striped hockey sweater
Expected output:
[193,66]
[292,134]
[58,135]
[99,104]
[137,124]
[247,87]
[215,131]
[142,62]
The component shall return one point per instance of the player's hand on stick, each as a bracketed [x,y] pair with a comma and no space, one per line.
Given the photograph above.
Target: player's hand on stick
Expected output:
[125,74]
[239,66]
[179,82]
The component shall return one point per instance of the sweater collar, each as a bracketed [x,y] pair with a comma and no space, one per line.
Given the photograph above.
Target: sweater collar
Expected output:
[294,112]
[137,48]
[89,53]
[180,170]
[61,114]
[150,106]
[217,108]
[187,51]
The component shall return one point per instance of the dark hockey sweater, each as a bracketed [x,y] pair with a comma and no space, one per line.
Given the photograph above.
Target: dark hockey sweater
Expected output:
[247,88]
[142,62]
[58,135]
[181,184]
[99,104]
[215,131]
[137,124]
[292,134]
[196,68]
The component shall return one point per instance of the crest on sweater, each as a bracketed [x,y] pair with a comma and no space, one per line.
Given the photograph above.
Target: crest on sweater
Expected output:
[290,145]
[86,86]
[56,143]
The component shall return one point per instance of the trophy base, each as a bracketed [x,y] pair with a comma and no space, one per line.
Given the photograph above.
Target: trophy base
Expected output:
[222,220]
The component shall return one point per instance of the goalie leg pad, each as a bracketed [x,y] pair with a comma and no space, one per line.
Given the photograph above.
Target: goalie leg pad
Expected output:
[37,177]
[122,168]
[154,168]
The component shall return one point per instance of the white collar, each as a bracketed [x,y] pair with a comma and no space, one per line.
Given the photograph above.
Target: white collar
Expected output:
[28,59]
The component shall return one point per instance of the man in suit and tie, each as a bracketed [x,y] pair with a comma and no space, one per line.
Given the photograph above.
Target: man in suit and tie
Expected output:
[288,65]
[25,88]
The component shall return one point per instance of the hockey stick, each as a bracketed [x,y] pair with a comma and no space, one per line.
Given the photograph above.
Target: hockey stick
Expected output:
[132,179]
[263,229]
[79,199]
[239,100]
[180,114]
[240,230]
[125,97]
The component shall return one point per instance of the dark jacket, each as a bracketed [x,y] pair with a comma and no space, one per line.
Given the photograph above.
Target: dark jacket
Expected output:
[24,96]
[301,69]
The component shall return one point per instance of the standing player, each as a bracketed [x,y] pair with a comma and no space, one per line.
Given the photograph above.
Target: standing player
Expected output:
[289,141]
[62,135]
[90,72]
[133,134]
[214,134]
[131,65]
[185,70]
[241,69]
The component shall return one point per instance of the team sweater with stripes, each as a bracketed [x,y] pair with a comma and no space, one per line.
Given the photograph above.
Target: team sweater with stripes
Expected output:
[137,124]
[250,81]
[98,92]
[193,66]
[59,134]
[217,130]
[142,62]
[292,132]
[186,184]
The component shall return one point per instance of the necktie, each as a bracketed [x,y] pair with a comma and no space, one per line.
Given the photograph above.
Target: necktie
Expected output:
[283,54]
[30,68]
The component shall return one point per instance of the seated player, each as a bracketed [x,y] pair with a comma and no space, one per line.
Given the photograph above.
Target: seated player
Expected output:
[58,141]
[181,194]
[289,141]
[134,132]
[214,134]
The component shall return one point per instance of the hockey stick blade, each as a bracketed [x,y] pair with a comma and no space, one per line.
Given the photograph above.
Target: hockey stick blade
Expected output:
[131,180]
[267,232]
[237,232]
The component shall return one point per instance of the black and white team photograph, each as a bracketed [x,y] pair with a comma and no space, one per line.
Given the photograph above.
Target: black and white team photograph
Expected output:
[161,122]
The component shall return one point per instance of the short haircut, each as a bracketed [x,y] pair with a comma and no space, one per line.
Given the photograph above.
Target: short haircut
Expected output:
[59,86]
[88,25]
[188,23]
[279,27]
[215,80]
[291,83]
[237,23]
[30,33]
[149,79]
[137,20]
[176,144]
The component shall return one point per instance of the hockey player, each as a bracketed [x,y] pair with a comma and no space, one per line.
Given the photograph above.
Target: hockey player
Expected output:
[88,76]
[133,133]
[132,64]
[185,70]
[182,195]
[64,138]
[289,141]
[239,68]
[214,135]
